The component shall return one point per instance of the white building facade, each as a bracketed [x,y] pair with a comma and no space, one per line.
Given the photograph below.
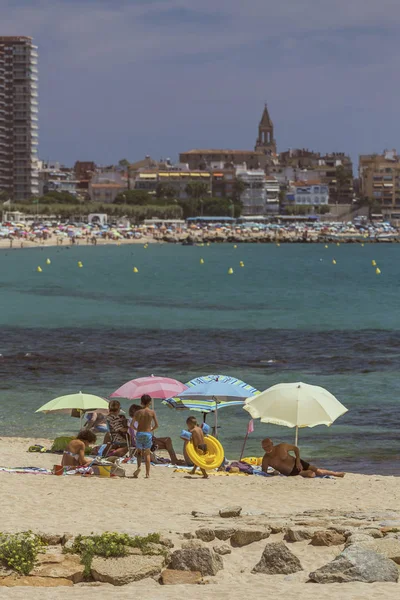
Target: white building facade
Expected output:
[254,197]
[308,194]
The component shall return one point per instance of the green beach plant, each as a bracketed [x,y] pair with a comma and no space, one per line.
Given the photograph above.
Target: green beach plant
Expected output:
[111,545]
[19,550]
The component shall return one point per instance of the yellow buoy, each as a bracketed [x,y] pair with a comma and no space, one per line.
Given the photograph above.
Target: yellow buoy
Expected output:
[80,264]
[362,245]
[208,244]
[278,244]
[230,271]
[334,262]
[39,269]
[377,271]
[337,244]
[48,261]
[326,246]
[202,261]
[241,264]
[235,246]
[135,270]
[373,263]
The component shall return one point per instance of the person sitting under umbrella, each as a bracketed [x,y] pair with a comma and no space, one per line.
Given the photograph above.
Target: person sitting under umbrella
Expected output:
[74,454]
[278,458]
[118,428]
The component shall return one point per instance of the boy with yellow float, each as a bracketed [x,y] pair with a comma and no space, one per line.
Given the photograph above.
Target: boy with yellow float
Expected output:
[205,453]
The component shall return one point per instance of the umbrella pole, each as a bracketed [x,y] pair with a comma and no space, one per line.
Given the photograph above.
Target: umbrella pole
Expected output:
[244,444]
[216,417]
[296,437]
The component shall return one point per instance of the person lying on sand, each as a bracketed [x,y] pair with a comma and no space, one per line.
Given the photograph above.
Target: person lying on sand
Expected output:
[74,455]
[278,458]
[198,441]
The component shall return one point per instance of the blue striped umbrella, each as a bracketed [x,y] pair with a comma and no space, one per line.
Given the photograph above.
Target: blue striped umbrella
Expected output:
[209,393]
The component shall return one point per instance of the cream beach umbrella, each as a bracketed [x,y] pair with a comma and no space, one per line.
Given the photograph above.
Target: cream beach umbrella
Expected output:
[81,402]
[295,405]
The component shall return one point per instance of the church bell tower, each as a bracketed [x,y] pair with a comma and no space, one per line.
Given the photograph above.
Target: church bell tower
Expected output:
[266,142]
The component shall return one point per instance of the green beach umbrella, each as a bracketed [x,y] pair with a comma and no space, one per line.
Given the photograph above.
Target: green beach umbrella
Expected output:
[81,402]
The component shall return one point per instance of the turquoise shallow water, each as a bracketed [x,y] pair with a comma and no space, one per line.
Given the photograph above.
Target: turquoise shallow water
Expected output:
[288,315]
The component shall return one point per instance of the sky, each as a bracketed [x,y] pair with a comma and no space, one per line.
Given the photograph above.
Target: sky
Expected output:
[126,78]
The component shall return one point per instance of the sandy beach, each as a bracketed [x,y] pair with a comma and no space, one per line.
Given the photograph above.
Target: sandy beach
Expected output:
[74,504]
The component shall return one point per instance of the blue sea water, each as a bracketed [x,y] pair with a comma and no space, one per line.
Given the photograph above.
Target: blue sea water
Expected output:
[289,314]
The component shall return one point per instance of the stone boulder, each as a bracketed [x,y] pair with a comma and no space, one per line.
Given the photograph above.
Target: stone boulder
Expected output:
[123,570]
[357,538]
[224,533]
[277,559]
[230,512]
[357,563]
[51,539]
[223,549]
[205,534]
[167,542]
[327,538]
[244,537]
[196,559]
[298,535]
[175,577]
[29,581]
[388,547]
[64,566]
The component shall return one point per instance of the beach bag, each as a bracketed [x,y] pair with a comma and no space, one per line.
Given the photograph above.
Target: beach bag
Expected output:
[107,469]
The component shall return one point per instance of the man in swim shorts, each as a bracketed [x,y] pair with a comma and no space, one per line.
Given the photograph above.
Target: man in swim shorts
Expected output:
[278,458]
[146,419]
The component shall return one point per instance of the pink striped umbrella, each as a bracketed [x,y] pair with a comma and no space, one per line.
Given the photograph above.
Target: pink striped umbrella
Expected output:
[156,387]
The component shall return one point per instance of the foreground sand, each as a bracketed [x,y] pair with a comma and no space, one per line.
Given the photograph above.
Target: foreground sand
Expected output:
[164,503]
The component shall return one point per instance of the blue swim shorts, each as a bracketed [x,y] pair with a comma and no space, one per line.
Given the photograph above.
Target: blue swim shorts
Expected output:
[144,440]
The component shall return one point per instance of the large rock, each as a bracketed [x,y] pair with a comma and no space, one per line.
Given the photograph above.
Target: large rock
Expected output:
[298,535]
[277,559]
[205,534]
[327,538]
[29,581]
[196,559]
[388,547]
[224,533]
[230,511]
[357,538]
[174,577]
[357,563]
[167,542]
[64,566]
[120,571]
[244,537]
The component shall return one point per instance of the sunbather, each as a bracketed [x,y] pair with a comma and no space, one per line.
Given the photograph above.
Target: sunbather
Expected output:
[278,458]
[74,454]
[118,428]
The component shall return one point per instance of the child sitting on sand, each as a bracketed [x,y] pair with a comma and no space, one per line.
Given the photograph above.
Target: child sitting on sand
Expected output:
[74,454]
[198,441]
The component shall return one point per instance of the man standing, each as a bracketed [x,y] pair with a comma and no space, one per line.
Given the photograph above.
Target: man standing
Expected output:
[278,458]
[146,419]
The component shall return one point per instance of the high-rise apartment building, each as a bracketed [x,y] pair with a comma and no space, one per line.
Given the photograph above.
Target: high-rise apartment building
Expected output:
[18,117]
[379,176]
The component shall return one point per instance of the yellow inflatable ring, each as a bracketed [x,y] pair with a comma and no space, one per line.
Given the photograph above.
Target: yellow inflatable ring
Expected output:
[212,459]
[253,460]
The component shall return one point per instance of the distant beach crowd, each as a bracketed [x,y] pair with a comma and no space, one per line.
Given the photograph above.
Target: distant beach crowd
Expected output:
[22,235]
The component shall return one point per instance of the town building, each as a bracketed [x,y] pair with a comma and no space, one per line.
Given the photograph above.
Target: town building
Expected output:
[175,179]
[266,141]
[54,178]
[18,117]
[105,186]
[334,170]
[308,193]
[208,160]
[379,177]
[254,195]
